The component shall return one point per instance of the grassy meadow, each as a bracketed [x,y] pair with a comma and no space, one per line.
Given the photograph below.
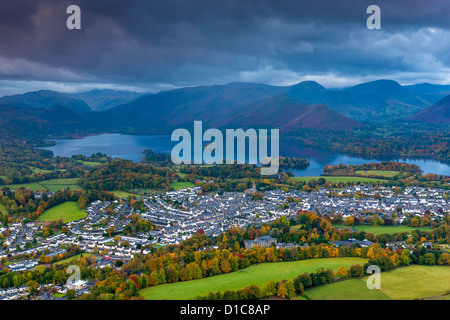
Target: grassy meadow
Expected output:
[49,185]
[74,258]
[387,174]
[407,283]
[181,185]
[67,211]
[124,194]
[384,229]
[257,274]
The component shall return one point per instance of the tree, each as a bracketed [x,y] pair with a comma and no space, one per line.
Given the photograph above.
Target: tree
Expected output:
[32,287]
[444,259]
[270,289]
[349,221]
[338,218]
[356,271]
[303,279]
[230,295]
[290,289]
[298,285]
[118,263]
[70,294]
[225,266]
[342,272]
[429,259]
[282,291]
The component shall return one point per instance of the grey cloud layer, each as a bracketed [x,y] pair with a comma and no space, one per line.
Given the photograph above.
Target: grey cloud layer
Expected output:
[191,42]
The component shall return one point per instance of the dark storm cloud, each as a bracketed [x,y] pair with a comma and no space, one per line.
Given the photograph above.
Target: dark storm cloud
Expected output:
[155,44]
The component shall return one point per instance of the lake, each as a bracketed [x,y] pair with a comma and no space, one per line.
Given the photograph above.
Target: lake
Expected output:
[131,147]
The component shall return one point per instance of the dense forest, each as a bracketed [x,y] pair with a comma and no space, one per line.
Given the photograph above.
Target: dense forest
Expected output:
[127,175]
[293,163]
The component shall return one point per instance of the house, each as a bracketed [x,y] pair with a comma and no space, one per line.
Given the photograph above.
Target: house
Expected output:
[265,241]
[352,241]
[77,285]
[427,245]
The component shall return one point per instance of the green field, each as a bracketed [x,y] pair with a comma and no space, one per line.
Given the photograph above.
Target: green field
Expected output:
[73,258]
[67,211]
[91,163]
[296,227]
[257,274]
[37,170]
[124,194]
[384,229]
[405,283]
[3,209]
[32,185]
[50,185]
[352,289]
[181,185]
[341,179]
[387,174]
[61,184]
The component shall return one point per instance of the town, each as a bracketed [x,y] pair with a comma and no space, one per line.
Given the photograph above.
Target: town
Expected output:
[179,214]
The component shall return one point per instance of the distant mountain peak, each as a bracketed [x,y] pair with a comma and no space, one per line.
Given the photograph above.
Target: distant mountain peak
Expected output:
[45,99]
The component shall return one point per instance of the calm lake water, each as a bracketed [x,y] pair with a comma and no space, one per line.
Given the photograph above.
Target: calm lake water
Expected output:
[131,147]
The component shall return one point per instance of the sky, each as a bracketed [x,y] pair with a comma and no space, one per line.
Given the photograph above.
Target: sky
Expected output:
[152,45]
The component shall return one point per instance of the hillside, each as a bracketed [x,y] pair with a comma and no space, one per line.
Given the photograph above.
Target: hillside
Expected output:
[45,99]
[304,105]
[220,106]
[378,100]
[438,113]
[23,123]
[99,100]
[430,92]
[282,112]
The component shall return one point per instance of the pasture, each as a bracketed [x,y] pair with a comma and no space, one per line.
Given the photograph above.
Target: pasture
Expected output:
[67,211]
[407,283]
[257,274]
[387,174]
[49,185]
[181,185]
[384,229]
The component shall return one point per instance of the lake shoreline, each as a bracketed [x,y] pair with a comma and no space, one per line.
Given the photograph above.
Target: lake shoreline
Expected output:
[131,147]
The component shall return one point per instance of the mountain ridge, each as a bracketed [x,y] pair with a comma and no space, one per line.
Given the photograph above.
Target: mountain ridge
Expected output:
[438,113]
[45,99]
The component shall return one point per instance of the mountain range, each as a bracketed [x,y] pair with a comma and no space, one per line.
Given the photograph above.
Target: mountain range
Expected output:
[45,99]
[221,105]
[103,99]
[304,105]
